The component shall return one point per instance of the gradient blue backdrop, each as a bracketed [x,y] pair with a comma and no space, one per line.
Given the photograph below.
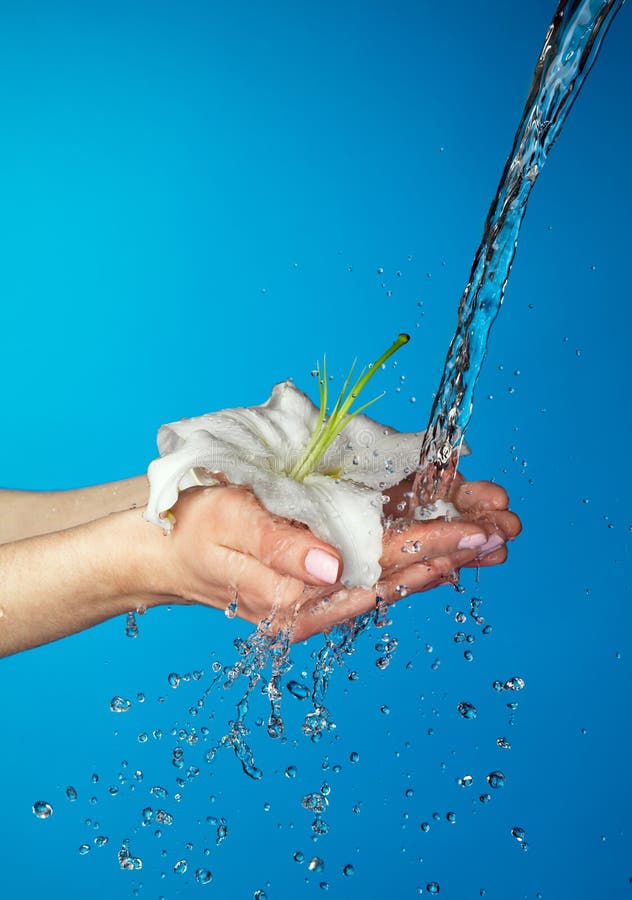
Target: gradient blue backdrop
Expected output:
[195,201]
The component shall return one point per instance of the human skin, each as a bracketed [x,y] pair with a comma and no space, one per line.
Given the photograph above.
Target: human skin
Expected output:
[72,559]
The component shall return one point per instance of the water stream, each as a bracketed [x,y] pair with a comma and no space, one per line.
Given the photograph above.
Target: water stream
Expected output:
[570,49]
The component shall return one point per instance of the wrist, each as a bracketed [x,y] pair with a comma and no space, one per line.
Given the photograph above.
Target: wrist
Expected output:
[138,555]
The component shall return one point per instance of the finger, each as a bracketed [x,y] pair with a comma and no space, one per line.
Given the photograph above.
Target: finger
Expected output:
[434,538]
[471,496]
[238,577]
[487,502]
[322,611]
[495,558]
[287,548]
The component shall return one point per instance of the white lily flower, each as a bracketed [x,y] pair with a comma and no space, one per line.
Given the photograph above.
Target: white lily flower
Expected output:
[328,472]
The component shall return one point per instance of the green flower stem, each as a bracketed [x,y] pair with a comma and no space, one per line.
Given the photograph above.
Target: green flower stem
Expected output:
[328,428]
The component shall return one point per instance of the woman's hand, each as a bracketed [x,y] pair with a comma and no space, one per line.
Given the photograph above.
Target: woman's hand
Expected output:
[421,556]
[226,551]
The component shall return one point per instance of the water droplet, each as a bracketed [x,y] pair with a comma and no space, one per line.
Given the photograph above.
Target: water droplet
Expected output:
[496,780]
[354,757]
[203,876]
[380,270]
[231,609]
[519,833]
[174,679]
[298,856]
[411,547]
[101,840]
[465,781]
[83,849]
[290,772]
[42,809]
[451,817]
[131,627]
[514,684]
[71,793]
[298,690]
[163,817]
[158,791]
[348,870]
[467,710]
[120,704]
[433,887]
[503,743]
[425,827]
[222,832]
[180,867]
[316,864]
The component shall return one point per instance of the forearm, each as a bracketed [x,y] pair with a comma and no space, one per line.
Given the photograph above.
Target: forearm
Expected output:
[61,583]
[24,514]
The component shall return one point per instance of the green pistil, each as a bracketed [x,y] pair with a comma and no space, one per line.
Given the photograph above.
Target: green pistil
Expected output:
[329,427]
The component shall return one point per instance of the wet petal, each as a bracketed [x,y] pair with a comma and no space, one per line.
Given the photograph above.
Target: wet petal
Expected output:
[346,515]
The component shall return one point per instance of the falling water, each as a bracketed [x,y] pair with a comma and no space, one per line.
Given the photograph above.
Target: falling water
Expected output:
[570,49]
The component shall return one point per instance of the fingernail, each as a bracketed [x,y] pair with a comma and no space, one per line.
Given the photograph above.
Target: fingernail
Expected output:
[492,543]
[322,565]
[472,541]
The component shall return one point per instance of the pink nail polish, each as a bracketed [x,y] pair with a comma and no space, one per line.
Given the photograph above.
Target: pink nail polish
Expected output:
[472,541]
[322,565]
[493,543]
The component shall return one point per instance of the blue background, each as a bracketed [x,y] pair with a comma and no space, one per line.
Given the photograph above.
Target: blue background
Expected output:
[195,201]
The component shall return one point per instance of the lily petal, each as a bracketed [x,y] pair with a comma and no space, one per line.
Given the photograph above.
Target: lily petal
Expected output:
[341,502]
[346,515]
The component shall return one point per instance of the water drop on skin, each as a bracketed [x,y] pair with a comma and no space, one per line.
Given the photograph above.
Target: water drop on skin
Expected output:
[231,609]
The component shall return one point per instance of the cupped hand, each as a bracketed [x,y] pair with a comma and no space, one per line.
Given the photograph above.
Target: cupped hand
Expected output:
[422,555]
[228,552]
